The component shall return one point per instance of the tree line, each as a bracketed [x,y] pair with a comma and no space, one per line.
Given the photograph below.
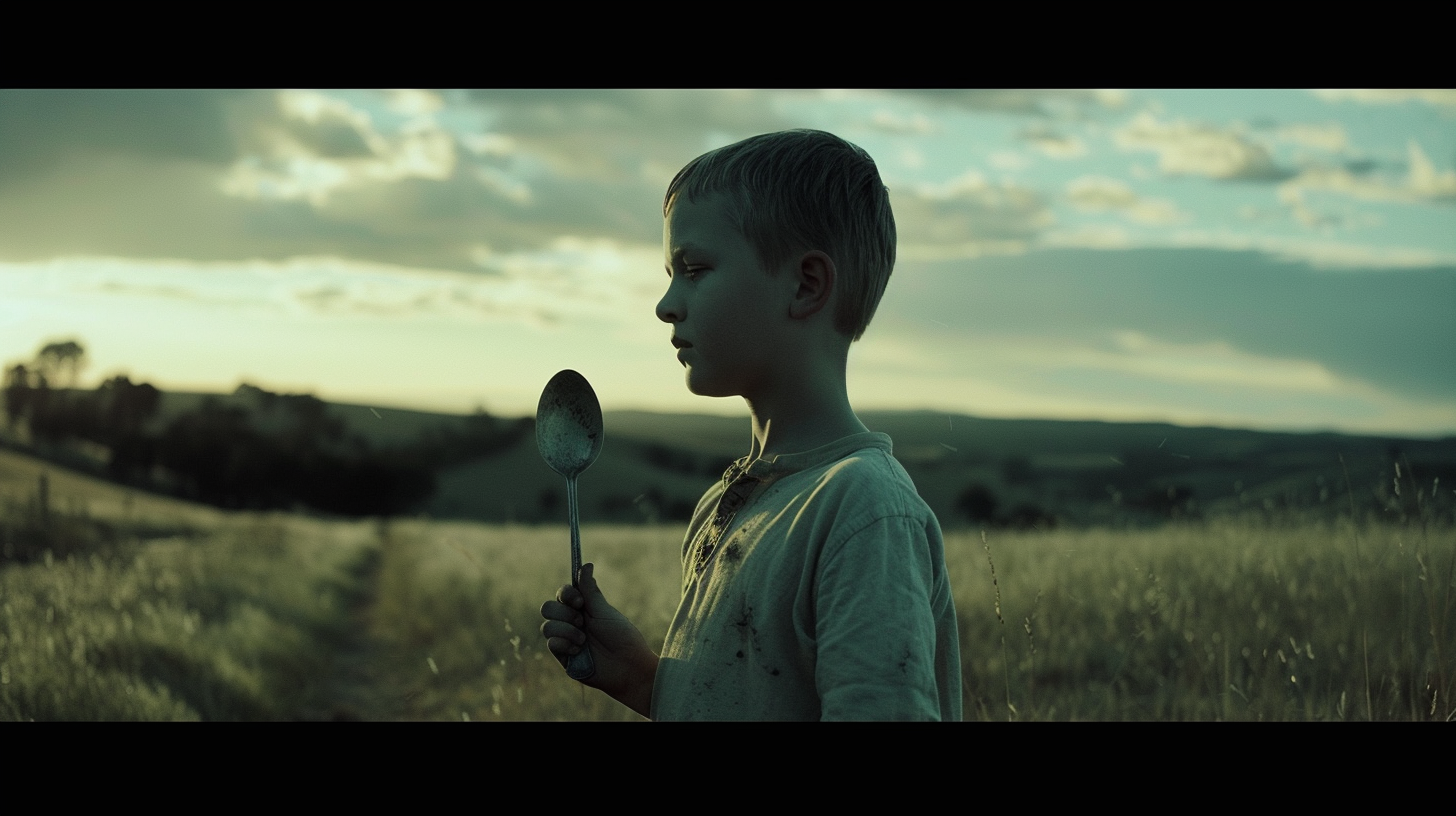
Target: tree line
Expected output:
[261,450]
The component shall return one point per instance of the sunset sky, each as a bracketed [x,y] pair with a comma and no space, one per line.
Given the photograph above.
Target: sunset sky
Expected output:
[1267,259]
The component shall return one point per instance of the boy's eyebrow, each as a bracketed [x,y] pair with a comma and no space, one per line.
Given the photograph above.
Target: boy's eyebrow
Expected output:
[683,249]
[678,252]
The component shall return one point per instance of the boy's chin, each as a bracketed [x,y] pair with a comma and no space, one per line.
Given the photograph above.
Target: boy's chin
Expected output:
[704,387]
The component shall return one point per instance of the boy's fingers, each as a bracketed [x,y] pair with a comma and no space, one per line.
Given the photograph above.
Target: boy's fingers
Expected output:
[561,649]
[569,595]
[560,630]
[554,611]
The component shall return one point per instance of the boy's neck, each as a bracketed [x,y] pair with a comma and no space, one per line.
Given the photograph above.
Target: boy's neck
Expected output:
[804,414]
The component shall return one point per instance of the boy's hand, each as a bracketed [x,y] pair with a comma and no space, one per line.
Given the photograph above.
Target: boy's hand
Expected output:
[626,666]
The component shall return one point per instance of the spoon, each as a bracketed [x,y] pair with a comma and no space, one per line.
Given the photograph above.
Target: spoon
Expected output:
[569,435]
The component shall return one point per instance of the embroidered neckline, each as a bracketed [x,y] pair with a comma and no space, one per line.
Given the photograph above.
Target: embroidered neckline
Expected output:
[743,478]
[737,487]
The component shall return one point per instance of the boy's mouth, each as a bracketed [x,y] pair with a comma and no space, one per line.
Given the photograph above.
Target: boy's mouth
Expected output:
[678,342]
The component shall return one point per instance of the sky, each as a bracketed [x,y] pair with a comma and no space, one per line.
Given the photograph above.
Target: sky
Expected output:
[1265,259]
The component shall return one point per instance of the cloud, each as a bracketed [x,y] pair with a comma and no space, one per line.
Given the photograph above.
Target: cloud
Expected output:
[1041,103]
[384,180]
[967,216]
[1053,143]
[911,158]
[1129,375]
[1444,98]
[1323,252]
[1215,363]
[916,125]
[1129,352]
[141,173]
[1102,194]
[1330,138]
[605,135]
[1099,193]
[411,296]
[1200,150]
[42,129]
[1088,236]
[1293,198]
[168,291]
[413,102]
[219,177]
[327,127]
[1425,182]
[323,144]
[570,279]
[1395,330]
[1008,160]
[1422,184]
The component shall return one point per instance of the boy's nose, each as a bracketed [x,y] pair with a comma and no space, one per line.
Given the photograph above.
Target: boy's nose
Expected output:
[669,309]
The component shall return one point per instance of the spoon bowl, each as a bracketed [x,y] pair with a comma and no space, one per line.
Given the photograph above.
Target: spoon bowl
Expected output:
[569,424]
[569,436]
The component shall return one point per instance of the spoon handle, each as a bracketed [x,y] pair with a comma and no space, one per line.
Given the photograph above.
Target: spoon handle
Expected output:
[580,665]
[574,517]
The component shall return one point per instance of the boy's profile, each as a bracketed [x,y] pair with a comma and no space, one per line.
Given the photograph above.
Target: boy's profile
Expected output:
[814,582]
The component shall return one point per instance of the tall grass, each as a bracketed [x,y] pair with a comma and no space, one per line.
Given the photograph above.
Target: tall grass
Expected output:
[458,610]
[1226,621]
[236,623]
[249,616]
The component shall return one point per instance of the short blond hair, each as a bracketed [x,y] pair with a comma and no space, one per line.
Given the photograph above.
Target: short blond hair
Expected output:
[800,190]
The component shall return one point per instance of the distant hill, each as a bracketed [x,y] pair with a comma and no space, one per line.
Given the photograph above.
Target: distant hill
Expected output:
[385,427]
[1037,472]
[998,472]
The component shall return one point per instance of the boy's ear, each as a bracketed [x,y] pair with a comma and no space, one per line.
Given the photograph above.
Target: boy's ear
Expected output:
[816,277]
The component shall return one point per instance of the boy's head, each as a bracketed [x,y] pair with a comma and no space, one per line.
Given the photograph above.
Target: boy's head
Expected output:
[800,190]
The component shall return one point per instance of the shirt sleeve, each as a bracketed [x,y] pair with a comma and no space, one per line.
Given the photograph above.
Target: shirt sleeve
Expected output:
[876,627]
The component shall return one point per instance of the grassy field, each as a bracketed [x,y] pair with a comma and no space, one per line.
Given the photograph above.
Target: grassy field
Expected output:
[116,606]
[1226,621]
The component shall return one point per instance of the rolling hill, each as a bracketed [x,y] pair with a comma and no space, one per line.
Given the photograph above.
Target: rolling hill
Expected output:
[999,472]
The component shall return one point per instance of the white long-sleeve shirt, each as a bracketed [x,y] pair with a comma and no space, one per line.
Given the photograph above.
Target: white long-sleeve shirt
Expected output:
[814,587]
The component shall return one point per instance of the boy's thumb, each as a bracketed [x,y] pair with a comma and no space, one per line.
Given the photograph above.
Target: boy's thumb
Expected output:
[586,582]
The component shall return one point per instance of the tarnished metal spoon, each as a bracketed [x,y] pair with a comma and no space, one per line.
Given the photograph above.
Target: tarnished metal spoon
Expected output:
[569,435]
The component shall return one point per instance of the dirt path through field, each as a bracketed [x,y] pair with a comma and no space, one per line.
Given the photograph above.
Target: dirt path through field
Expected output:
[361,686]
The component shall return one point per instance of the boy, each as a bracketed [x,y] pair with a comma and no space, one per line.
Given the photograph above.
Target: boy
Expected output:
[814,581]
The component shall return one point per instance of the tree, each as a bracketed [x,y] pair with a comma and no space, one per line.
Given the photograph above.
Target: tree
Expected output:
[128,405]
[17,393]
[978,503]
[125,409]
[60,362]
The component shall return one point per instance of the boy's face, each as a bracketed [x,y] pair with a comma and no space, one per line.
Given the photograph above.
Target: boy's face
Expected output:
[726,311]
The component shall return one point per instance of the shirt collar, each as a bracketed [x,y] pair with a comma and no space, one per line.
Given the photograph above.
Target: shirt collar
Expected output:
[782,464]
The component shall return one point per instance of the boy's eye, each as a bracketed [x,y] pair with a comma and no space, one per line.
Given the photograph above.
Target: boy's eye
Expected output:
[688,270]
